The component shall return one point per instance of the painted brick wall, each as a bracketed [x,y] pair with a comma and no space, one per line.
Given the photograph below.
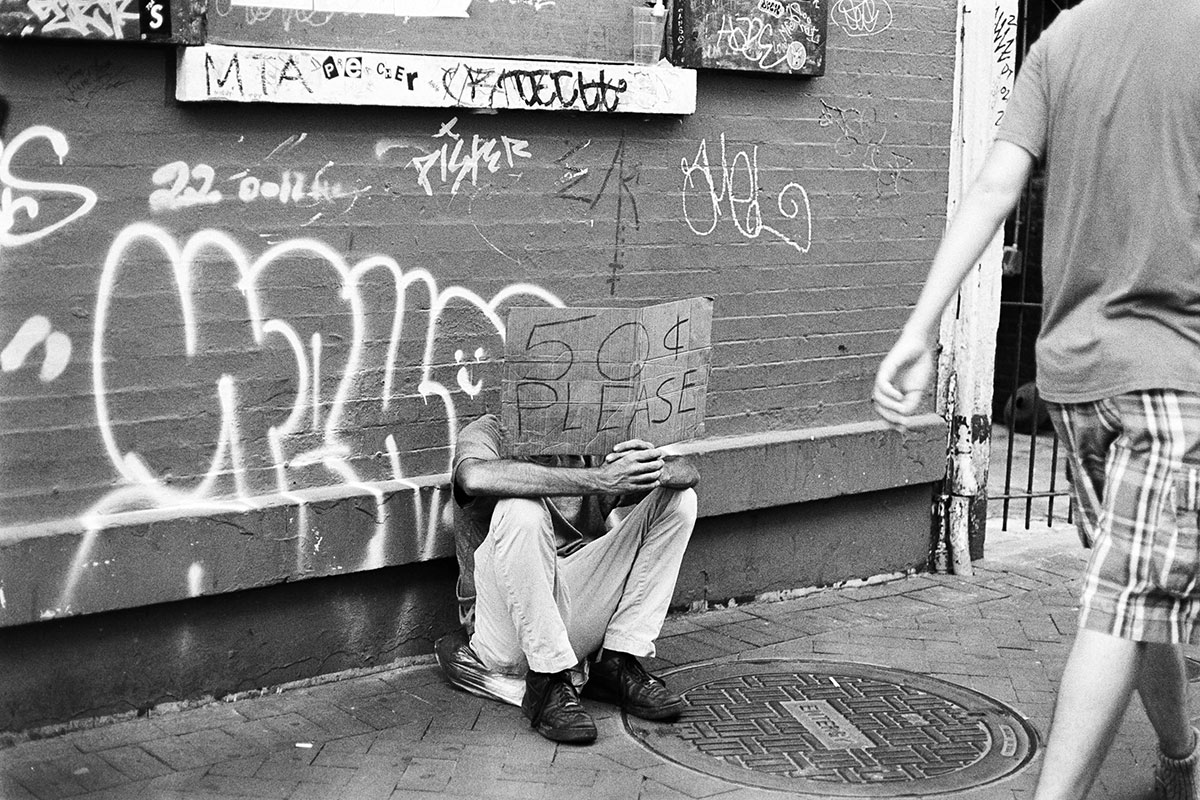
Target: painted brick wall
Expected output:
[198,302]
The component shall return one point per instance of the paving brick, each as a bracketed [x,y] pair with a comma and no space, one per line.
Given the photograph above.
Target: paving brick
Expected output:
[107,737]
[195,749]
[37,750]
[371,783]
[11,789]
[46,780]
[91,772]
[427,774]
[241,786]
[754,631]
[334,721]
[191,720]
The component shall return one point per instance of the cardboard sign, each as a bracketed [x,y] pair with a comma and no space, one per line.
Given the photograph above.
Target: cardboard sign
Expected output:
[580,380]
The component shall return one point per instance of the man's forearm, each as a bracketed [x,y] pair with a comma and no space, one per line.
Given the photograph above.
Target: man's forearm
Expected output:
[511,478]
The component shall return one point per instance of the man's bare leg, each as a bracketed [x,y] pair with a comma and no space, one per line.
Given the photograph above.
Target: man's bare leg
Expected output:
[1096,686]
[1162,686]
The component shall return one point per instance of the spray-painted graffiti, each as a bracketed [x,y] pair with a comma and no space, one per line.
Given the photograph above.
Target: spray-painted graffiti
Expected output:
[733,193]
[186,186]
[283,426]
[619,176]
[307,427]
[862,17]
[862,138]
[21,201]
[290,16]
[1004,40]
[82,85]
[473,85]
[106,19]
[769,44]
[453,161]
[38,332]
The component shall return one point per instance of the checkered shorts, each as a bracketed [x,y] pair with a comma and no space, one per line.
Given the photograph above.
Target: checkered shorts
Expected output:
[1135,465]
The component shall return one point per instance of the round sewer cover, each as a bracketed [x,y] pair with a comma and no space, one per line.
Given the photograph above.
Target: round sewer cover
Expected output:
[837,729]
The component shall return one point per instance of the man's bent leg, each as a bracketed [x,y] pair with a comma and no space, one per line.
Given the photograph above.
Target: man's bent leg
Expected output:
[623,582]
[519,618]
[519,611]
[631,573]
[1096,686]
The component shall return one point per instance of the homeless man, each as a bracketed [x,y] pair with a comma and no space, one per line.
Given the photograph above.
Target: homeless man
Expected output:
[576,561]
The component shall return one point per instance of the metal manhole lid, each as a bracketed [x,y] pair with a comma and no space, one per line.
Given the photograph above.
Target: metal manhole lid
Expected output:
[837,728]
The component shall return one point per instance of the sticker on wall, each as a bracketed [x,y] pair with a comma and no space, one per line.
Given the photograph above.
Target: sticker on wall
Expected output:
[780,36]
[154,17]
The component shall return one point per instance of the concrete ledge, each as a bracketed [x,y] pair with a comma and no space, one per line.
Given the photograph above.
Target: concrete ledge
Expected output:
[762,470]
[155,557]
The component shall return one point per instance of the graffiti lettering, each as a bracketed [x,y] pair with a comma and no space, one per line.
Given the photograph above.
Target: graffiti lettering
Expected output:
[13,204]
[100,18]
[36,332]
[188,186]
[533,88]
[1004,39]
[464,164]
[862,17]
[863,137]
[83,84]
[705,197]
[180,194]
[270,72]
[309,428]
[759,42]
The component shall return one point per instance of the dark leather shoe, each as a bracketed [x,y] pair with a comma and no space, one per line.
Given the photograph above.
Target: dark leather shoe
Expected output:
[619,678]
[552,705]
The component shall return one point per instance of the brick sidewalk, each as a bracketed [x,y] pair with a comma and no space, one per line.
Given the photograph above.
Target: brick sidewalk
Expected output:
[403,734]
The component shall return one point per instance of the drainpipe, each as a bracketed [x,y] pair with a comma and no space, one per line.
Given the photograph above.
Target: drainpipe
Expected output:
[984,68]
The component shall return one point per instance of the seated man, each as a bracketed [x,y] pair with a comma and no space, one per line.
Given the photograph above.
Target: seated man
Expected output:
[579,558]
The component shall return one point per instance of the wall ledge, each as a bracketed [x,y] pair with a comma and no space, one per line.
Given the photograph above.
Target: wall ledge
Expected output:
[152,557]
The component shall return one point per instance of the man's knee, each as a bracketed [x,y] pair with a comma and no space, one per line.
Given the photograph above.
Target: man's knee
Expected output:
[686,504]
[520,516]
[679,505]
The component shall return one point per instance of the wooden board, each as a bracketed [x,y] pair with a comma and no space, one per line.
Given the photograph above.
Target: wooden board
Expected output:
[580,380]
[781,36]
[566,30]
[270,75]
[160,21]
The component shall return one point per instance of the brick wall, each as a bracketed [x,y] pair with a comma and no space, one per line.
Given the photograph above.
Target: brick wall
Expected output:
[200,389]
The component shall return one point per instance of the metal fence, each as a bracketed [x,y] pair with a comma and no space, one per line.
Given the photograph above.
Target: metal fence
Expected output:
[1028,476]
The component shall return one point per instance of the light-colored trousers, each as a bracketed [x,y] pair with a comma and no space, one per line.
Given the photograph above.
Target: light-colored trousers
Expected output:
[537,610]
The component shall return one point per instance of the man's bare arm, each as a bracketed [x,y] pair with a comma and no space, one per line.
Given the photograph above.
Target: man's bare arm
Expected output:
[907,369]
[631,471]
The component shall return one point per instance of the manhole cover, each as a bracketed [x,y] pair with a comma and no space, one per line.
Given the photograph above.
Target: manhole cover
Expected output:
[837,729]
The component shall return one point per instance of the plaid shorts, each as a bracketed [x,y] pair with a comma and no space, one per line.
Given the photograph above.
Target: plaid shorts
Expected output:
[1135,466]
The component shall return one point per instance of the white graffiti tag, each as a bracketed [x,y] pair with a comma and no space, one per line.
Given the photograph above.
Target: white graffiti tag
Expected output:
[27,205]
[862,17]
[454,160]
[38,331]
[105,18]
[306,422]
[706,195]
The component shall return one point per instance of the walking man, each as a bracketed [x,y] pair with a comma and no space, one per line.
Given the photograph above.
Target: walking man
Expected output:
[1110,97]
[577,560]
